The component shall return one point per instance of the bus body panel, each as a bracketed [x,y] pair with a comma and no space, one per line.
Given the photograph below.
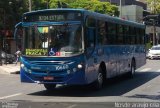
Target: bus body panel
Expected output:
[118,58]
[76,78]
[63,70]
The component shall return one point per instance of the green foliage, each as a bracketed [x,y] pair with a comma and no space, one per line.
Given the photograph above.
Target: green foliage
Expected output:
[54,4]
[39,4]
[154,5]
[148,45]
[93,5]
[11,10]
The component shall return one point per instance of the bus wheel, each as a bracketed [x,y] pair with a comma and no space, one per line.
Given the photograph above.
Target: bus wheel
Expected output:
[49,87]
[97,85]
[132,71]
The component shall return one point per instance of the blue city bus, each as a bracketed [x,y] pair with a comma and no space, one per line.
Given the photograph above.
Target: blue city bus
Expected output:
[77,47]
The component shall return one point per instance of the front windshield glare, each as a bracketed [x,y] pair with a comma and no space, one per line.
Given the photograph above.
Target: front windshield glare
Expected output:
[59,40]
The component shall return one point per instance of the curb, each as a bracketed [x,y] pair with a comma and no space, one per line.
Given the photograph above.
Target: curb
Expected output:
[16,72]
[6,72]
[9,69]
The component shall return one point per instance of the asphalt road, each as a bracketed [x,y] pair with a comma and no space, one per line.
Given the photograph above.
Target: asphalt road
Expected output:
[141,91]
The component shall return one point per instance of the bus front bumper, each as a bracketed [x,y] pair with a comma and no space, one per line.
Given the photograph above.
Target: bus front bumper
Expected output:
[77,78]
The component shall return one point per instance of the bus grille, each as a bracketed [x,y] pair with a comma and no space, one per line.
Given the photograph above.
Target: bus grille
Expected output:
[50,72]
[48,62]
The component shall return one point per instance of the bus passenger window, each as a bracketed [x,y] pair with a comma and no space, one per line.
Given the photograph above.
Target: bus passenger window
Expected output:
[126,35]
[111,34]
[138,36]
[142,33]
[90,22]
[120,34]
[90,31]
[133,35]
[102,39]
[90,37]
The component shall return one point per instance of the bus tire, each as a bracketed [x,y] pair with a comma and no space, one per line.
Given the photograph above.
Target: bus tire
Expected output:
[132,71]
[97,85]
[50,87]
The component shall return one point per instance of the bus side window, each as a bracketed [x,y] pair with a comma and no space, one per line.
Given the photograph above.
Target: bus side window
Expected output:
[102,39]
[90,31]
[120,34]
[137,36]
[126,35]
[90,22]
[111,34]
[132,35]
[142,35]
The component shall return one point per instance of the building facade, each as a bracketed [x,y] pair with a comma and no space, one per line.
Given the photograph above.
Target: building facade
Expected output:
[136,10]
[140,3]
[132,13]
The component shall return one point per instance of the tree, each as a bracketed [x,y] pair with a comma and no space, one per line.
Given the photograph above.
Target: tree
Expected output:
[11,10]
[39,4]
[154,5]
[93,5]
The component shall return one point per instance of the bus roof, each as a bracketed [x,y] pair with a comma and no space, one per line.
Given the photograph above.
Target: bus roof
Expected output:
[54,9]
[100,16]
[117,20]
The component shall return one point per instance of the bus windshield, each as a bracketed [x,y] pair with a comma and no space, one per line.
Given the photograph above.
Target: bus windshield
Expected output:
[55,40]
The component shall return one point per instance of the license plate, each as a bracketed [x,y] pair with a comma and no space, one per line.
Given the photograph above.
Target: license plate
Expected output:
[48,78]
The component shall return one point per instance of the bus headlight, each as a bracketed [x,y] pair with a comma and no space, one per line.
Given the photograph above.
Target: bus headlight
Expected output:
[22,65]
[80,66]
[75,69]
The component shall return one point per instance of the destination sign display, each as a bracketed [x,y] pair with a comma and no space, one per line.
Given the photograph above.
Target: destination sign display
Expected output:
[36,52]
[52,16]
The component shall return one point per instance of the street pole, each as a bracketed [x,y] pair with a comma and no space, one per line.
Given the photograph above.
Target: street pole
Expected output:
[0,48]
[1,39]
[154,32]
[47,4]
[120,8]
[154,25]
[4,36]
[30,5]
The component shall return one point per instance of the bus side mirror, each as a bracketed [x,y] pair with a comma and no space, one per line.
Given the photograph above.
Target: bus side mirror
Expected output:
[17,26]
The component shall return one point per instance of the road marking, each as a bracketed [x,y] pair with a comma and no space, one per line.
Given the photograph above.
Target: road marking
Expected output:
[5,97]
[145,69]
[72,106]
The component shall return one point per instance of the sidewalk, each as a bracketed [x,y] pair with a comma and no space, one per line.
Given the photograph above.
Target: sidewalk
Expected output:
[10,68]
